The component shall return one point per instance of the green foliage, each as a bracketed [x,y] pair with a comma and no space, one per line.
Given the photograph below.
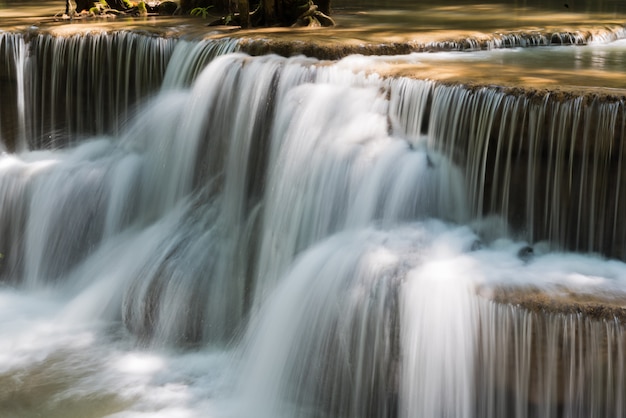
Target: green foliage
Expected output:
[99,7]
[201,11]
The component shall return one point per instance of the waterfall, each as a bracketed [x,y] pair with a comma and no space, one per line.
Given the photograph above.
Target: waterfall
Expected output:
[13,49]
[564,365]
[344,175]
[550,164]
[71,87]
[219,167]
[84,84]
[398,323]
[206,233]
[527,39]
[357,330]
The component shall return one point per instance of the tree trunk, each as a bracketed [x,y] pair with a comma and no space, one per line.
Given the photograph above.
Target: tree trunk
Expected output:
[306,13]
[224,5]
[296,12]
[244,13]
[83,5]
[269,12]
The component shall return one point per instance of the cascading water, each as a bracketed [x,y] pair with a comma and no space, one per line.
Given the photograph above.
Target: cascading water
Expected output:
[73,87]
[277,237]
[563,155]
[13,49]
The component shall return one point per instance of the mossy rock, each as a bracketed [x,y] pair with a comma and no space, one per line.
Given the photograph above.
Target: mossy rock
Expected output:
[167,8]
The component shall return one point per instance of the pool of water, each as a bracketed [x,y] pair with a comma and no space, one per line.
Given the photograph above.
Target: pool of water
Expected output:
[573,68]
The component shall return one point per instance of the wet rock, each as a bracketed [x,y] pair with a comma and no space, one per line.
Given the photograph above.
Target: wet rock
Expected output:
[596,306]
[476,245]
[167,8]
[526,253]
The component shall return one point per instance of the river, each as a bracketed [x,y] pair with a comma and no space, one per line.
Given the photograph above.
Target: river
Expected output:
[187,230]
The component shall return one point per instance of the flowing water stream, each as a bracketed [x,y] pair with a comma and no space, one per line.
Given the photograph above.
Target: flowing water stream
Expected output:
[190,231]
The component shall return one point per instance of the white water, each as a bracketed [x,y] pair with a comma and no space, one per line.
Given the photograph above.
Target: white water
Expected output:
[276,241]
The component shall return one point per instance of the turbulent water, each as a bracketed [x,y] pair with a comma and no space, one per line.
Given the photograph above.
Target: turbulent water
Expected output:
[273,237]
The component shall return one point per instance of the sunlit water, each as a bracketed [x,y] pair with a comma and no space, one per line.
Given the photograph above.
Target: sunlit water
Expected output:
[270,237]
[596,67]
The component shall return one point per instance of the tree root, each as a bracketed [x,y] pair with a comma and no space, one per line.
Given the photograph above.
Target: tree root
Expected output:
[313,18]
[100,10]
[234,19]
